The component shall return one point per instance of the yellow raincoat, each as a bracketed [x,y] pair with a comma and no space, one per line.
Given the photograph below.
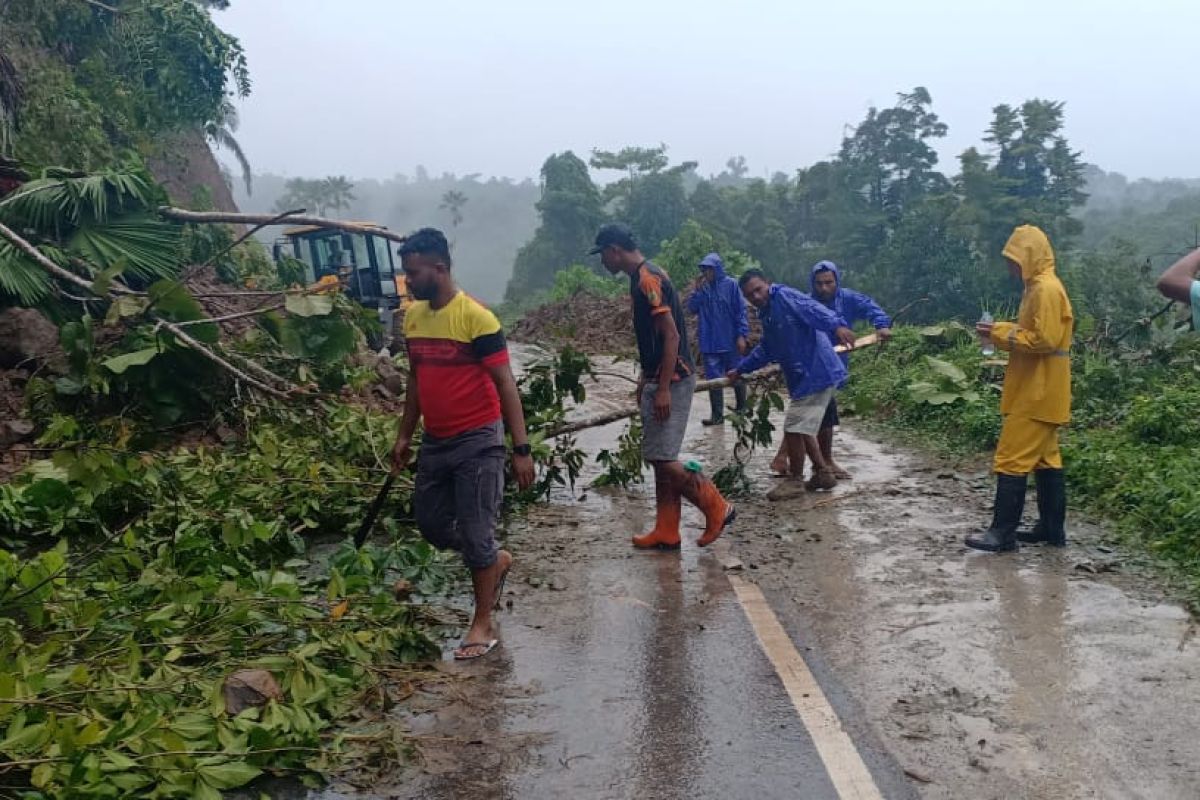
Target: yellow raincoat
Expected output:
[1037,383]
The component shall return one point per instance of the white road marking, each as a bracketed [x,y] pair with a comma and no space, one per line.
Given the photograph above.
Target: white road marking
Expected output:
[848,773]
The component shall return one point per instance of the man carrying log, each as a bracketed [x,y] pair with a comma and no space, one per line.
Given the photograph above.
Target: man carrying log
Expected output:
[798,333]
[721,312]
[462,385]
[825,281]
[665,387]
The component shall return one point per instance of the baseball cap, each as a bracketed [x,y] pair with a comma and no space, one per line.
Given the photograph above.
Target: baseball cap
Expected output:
[614,234]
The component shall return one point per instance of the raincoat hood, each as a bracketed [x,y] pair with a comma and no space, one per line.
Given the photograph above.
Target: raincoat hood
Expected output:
[714,261]
[1029,247]
[821,266]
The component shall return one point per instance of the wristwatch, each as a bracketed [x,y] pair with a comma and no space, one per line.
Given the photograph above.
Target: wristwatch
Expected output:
[522,449]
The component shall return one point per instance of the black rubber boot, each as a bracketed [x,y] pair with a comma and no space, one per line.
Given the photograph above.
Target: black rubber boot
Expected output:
[716,399]
[739,393]
[1052,510]
[1010,502]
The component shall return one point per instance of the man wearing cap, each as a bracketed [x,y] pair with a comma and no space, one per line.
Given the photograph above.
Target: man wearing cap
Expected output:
[665,387]
[721,312]
[825,283]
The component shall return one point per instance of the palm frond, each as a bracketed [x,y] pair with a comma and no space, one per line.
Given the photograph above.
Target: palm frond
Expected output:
[56,203]
[148,247]
[22,279]
[223,137]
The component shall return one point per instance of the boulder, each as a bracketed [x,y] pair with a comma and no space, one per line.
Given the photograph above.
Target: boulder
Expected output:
[28,339]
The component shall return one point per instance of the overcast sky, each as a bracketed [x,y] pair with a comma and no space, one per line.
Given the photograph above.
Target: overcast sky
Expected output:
[370,88]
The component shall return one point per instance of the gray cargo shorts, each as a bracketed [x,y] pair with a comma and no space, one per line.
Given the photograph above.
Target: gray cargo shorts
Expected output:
[661,441]
[458,490]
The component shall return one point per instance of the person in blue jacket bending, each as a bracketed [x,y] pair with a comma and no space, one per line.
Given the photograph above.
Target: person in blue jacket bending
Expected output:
[825,282]
[798,334]
[717,302]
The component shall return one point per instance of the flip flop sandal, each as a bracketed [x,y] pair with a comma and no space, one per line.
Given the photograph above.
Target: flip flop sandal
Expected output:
[487,646]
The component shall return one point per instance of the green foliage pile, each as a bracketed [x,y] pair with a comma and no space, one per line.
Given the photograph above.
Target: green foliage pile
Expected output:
[1129,451]
[133,583]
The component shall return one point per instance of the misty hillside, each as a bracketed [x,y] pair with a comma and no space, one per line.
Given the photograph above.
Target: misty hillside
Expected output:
[497,217]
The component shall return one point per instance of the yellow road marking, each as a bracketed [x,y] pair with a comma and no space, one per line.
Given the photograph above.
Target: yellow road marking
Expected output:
[848,773]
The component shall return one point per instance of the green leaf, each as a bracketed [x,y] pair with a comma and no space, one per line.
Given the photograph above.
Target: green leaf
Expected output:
[309,305]
[126,306]
[228,775]
[947,369]
[138,358]
[49,493]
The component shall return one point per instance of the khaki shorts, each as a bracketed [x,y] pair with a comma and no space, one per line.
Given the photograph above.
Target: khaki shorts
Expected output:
[805,414]
[661,441]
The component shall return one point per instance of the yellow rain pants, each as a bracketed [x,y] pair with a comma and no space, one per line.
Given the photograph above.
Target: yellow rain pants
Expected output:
[1025,445]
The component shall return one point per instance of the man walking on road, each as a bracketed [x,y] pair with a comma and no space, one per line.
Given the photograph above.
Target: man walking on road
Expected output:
[825,282]
[798,334]
[665,389]
[461,384]
[1036,398]
[1179,283]
[718,305]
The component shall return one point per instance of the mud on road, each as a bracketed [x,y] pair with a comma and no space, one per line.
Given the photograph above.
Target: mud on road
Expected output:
[1044,674]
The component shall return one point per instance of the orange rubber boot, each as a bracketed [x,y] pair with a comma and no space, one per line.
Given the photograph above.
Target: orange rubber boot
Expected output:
[718,512]
[665,535]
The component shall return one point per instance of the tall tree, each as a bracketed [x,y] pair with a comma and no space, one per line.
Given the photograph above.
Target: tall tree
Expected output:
[453,202]
[570,210]
[1032,176]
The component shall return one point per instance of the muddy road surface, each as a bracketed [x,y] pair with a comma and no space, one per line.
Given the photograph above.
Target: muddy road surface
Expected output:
[844,645]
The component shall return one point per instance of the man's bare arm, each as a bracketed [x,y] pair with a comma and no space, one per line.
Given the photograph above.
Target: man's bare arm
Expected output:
[514,419]
[1176,282]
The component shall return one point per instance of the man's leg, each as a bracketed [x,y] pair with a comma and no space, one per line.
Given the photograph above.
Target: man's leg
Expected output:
[1051,496]
[1017,453]
[660,446]
[793,484]
[478,492]
[823,476]
[714,364]
[825,439]
[781,463]
[667,502]
[701,492]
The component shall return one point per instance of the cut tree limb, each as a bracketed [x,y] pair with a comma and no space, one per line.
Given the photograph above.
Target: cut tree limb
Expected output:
[702,386]
[220,217]
[54,269]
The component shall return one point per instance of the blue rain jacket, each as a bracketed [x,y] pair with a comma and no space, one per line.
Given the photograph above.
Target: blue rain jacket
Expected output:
[720,308]
[852,306]
[797,334]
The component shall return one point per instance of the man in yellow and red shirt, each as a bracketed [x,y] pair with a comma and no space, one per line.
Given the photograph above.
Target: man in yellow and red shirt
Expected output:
[461,384]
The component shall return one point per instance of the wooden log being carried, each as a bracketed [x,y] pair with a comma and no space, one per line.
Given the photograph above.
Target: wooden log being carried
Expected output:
[701,386]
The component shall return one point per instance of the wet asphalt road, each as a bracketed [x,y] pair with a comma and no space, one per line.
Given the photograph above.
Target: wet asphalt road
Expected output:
[638,675]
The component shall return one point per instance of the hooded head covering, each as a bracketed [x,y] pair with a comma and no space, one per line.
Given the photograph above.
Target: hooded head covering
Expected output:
[713,261]
[1029,247]
[822,266]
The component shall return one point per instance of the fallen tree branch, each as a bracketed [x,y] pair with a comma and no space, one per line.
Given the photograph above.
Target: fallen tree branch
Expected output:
[180,334]
[44,262]
[187,340]
[220,217]
[701,386]
[226,318]
[274,221]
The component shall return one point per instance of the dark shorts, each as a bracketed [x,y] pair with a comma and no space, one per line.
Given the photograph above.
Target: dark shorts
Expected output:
[458,490]
[831,419]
